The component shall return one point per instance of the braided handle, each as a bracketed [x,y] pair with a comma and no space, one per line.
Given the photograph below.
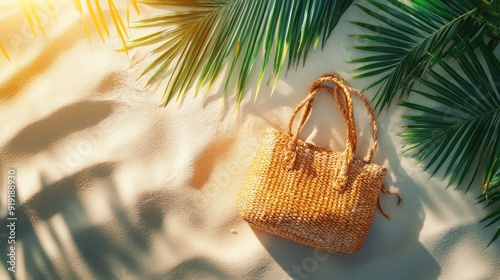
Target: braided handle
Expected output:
[344,102]
[290,153]
[336,79]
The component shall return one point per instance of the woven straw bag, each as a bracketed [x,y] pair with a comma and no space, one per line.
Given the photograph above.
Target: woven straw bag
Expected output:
[313,195]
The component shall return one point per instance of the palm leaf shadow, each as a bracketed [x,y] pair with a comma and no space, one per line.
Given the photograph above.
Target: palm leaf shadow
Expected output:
[104,250]
[41,134]
[98,248]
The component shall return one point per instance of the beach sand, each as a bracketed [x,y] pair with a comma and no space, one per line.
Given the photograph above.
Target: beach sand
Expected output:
[112,185]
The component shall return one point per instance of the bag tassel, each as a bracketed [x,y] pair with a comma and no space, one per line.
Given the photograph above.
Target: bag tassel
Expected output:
[384,190]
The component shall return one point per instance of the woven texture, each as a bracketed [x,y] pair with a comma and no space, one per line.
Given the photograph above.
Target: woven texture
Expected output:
[309,194]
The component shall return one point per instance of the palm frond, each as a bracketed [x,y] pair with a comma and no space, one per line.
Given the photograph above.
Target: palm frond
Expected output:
[489,12]
[31,9]
[4,51]
[403,38]
[459,132]
[206,34]
[491,190]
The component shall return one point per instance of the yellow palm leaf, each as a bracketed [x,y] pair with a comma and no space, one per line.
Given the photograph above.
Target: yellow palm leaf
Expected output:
[31,10]
[4,51]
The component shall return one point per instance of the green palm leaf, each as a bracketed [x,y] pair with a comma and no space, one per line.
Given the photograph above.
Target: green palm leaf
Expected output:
[490,14]
[459,132]
[405,35]
[195,43]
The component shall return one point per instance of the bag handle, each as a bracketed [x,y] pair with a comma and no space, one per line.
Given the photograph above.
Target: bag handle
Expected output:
[331,77]
[290,153]
[346,112]
[346,108]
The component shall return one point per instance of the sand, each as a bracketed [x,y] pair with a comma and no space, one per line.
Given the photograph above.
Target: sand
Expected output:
[112,185]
